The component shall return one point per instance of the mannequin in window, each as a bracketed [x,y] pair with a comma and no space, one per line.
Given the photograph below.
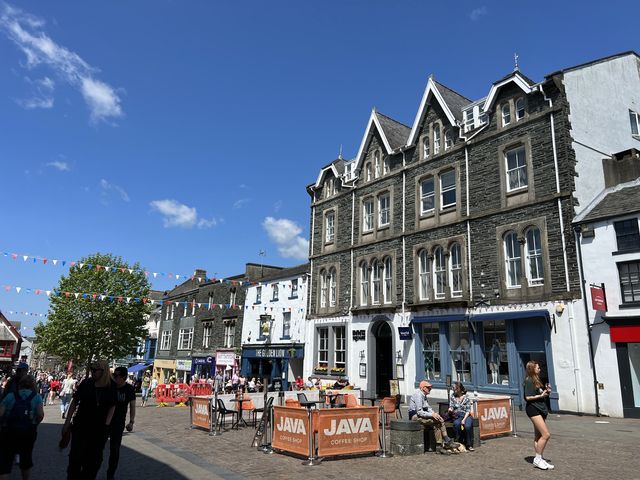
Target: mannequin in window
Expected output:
[494,361]
[465,366]
[428,360]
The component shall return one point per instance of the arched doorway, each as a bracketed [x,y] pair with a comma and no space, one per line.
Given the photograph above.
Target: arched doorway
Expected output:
[384,357]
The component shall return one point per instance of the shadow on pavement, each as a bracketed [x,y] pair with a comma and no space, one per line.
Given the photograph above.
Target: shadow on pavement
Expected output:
[51,463]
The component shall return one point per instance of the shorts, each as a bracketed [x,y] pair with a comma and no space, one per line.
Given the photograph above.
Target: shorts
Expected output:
[16,443]
[534,412]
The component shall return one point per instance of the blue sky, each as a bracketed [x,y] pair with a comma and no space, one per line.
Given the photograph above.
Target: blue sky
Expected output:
[183,134]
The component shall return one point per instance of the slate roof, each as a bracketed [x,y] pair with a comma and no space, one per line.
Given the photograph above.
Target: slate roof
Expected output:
[397,133]
[616,201]
[453,99]
[287,273]
[520,74]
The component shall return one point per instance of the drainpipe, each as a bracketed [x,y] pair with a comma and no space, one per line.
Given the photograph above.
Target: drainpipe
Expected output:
[404,243]
[583,287]
[313,227]
[353,212]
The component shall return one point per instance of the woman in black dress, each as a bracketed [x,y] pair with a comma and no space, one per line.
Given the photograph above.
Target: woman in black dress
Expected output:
[535,394]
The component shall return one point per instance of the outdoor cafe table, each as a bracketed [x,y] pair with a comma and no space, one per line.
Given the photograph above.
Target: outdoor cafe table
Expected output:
[371,399]
[240,401]
[333,396]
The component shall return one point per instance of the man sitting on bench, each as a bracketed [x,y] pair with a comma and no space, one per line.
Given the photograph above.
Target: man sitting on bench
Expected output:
[420,411]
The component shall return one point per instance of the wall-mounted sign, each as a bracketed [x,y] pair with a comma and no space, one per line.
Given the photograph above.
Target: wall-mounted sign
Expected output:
[598,299]
[405,333]
[358,335]
[270,352]
[225,358]
[183,365]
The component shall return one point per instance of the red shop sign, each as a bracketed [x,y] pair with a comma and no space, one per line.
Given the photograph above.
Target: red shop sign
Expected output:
[598,300]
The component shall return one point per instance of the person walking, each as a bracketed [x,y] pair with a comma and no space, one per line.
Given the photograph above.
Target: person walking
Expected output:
[154,385]
[145,387]
[11,385]
[21,413]
[536,394]
[91,410]
[125,397]
[66,392]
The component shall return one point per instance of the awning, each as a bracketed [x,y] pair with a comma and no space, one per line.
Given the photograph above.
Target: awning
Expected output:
[624,329]
[138,367]
[483,317]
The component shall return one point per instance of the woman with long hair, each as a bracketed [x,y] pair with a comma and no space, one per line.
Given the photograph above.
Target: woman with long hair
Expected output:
[88,418]
[536,394]
[460,410]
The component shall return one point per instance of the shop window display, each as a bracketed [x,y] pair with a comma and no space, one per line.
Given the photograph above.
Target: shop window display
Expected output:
[459,351]
[495,345]
[431,350]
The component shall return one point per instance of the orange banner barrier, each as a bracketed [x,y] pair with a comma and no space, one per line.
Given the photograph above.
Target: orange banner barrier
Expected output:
[345,431]
[177,393]
[201,389]
[494,415]
[291,430]
[201,412]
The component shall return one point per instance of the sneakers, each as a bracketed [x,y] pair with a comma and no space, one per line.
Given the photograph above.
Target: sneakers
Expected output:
[542,464]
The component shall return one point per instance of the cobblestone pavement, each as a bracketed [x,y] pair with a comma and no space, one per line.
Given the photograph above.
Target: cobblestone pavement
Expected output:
[164,447]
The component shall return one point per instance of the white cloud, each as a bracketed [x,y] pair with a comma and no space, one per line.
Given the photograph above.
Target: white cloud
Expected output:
[241,203]
[286,235]
[42,96]
[59,165]
[476,13]
[108,188]
[35,102]
[177,214]
[26,31]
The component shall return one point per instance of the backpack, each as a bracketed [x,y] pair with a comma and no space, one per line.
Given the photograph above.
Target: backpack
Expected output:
[20,418]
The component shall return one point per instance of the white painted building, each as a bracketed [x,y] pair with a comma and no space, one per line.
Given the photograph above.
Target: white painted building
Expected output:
[610,244]
[274,326]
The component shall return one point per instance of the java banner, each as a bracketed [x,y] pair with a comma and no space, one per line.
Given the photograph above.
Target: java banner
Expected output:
[495,416]
[291,430]
[344,431]
[201,413]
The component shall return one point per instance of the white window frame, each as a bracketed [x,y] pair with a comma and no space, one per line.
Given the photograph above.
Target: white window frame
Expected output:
[469,120]
[455,269]
[634,120]
[533,250]
[340,347]
[275,292]
[286,324]
[424,274]
[368,215]
[173,310]
[512,259]
[376,282]
[436,139]
[364,284]
[505,113]
[323,288]
[332,287]
[521,107]
[426,150]
[447,189]
[207,331]
[323,346]
[519,170]
[384,211]
[165,343]
[424,197]
[368,172]
[439,273]
[185,338]
[386,165]
[376,164]
[294,288]
[229,334]
[330,231]
[211,301]
[387,280]
[259,294]
[232,296]
[448,139]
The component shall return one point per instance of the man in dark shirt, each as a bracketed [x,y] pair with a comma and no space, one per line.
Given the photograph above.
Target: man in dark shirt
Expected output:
[125,397]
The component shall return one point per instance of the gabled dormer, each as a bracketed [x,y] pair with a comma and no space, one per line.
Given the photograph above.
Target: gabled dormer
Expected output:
[382,137]
[329,181]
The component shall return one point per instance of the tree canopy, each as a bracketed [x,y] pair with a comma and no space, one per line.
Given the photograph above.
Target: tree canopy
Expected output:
[85,327]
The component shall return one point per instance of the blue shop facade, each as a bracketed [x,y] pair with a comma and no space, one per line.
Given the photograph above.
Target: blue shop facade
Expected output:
[487,352]
[273,361]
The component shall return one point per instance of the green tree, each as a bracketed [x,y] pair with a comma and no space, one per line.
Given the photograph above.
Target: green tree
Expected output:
[88,326]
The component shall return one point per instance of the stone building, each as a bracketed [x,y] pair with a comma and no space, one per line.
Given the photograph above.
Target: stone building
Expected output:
[444,249]
[201,323]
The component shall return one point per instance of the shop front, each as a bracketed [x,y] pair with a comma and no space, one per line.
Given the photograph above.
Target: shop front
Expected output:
[625,335]
[204,367]
[487,352]
[183,368]
[163,369]
[273,361]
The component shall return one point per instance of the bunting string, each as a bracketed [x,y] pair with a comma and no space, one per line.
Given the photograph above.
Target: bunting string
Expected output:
[34,259]
[26,314]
